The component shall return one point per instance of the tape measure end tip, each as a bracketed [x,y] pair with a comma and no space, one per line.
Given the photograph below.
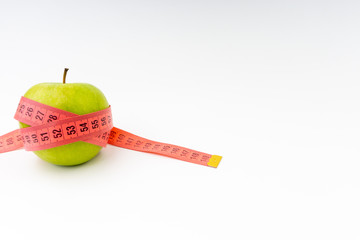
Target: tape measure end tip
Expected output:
[214,161]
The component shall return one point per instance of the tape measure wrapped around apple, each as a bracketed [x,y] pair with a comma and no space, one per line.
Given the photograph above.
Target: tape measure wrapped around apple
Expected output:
[68,123]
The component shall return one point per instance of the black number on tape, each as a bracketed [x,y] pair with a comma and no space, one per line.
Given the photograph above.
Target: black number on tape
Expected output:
[174,150]
[57,133]
[194,155]
[129,141]
[21,109]
[9,141]
[34,137]
[27,139]
[156,146]
[44,136]
[120,137]
[147,145]
[83,128]
[112,134]
[29,111]
[103,121]
[51,118]
[19,138]
[70,130]
[39,116]
[165,148]
[184,153]
[104,136]
[204,158]
[95,124]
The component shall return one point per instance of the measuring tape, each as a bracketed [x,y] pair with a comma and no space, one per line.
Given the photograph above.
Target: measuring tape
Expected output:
[52,127]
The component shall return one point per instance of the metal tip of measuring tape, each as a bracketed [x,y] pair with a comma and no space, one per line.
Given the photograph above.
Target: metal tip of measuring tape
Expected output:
[214,161]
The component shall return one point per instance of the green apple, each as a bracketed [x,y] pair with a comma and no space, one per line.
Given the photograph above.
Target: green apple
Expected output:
[78,98]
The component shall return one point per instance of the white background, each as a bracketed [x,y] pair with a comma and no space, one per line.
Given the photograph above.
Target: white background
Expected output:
[273,86]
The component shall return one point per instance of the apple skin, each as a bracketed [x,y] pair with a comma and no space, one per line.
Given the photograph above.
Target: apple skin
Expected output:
[78,98]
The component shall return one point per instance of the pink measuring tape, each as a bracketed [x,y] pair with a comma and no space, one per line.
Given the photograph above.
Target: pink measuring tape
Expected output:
[52,127]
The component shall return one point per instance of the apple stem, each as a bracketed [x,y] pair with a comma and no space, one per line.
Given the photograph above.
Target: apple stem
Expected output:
[64,76]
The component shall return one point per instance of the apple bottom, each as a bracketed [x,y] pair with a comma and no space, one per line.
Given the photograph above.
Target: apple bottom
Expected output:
[70,154]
